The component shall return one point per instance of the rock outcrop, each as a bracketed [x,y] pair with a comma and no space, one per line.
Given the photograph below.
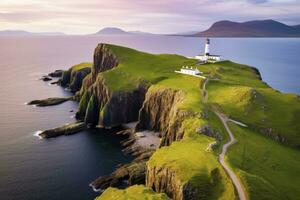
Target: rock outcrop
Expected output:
[56,74]
[164,180]
[160,113]
[77,77]
[46,78]
[99,106]
[139,192]
[49,101]
[73,78]
[67,129]
[104,60]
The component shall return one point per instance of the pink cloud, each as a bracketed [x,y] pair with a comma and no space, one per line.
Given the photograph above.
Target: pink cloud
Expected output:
[77,16]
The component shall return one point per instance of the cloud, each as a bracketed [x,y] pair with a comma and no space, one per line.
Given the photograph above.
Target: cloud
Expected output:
[257,1]
[166,16]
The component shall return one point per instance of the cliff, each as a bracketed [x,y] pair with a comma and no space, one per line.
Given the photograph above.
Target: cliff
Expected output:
[139,192]
[160,113]
[127,85]
[73,77]
[184,170]
[99,105]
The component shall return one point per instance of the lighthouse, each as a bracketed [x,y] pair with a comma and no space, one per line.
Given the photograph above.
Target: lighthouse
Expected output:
[207,57]
[207,47]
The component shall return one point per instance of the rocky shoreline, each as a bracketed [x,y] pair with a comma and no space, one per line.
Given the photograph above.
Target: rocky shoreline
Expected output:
[101,107]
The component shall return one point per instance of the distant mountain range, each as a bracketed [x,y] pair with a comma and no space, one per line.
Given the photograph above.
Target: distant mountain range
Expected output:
[118,31]
[26,33]
[258,28]
[262,28]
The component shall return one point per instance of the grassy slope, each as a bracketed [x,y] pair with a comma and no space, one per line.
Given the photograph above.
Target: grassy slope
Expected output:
[136,192]
[81,66]
[259,108]
[192,163]
[136,67]
[158,70]
[268,169]
[233,93]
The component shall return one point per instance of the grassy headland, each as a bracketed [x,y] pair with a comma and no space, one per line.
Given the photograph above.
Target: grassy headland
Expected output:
[234,89]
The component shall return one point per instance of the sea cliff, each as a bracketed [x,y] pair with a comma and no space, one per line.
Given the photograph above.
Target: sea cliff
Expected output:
[125,85]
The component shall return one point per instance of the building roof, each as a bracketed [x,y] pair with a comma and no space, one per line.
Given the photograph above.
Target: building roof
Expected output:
[210,55]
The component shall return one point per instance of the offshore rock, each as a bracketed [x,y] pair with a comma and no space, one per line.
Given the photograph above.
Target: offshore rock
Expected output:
[49,101]
[56,74]
[67,129]
[46,78]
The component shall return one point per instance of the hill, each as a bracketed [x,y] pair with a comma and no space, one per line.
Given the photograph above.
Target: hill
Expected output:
[118,31]
[26,33]
[259,28]
[126,85]
[111,30]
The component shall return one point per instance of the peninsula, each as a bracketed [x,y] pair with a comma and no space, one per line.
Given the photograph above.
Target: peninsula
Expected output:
[224,135]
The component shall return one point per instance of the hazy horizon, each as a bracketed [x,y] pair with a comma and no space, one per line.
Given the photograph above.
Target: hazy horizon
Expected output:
[158,16]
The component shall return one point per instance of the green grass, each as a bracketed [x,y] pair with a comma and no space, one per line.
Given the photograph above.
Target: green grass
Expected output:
[233,73]
[268,170]
[259,108]
[81,66]
[136,192]
[138,67]
[190,161]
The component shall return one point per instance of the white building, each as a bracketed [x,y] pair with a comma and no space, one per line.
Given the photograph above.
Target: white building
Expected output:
[207,57]
[190,71]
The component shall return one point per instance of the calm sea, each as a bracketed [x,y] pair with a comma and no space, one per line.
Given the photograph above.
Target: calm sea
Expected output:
[62,168]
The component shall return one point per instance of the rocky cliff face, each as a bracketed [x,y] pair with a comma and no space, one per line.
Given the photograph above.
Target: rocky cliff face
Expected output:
[104,60]
[160,113]
[162,179]
[155,109]
[76,79]
[98,104]
[73,79]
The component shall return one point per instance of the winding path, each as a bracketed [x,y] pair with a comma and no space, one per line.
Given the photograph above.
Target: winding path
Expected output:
[224,119]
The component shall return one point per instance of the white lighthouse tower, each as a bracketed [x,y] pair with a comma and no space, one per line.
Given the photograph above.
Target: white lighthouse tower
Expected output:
[207,57]
[207,47]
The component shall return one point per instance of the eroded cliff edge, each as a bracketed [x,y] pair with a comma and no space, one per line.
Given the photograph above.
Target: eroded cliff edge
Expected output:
[155,107]
[101,106]
[126,85]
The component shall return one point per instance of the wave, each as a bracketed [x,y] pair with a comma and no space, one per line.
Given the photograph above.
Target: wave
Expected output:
[37,134]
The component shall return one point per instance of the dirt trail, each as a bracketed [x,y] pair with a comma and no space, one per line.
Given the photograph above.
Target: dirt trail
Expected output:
[234,178]
[238,185]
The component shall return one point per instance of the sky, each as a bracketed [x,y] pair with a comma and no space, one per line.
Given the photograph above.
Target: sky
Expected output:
[156,16]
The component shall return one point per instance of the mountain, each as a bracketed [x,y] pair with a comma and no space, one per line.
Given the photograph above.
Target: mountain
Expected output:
[111,30]
[26,33]
[118,31]
[140,33]
[186,33]
[259,28]
[13,32]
